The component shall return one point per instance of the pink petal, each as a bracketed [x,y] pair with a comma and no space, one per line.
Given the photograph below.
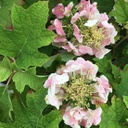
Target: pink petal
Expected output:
[75,18]
[55,100]
[68,9]
[72,47]
[77,34]
[49,81]
[58,26]
[58,11]
[85,50]
[97,116]
[59,39]
[67,47]
[101,53]
[51,27]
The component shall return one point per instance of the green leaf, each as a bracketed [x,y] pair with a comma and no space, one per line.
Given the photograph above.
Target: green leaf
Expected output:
[116,72]
[120,11]
[29,2]
[125,99]
[122,87]
[112,115]
[5,105]
[66,2]
[31,116]
[28,35]
[66,56]
[104,5]
[4,125]
[28,77]
[5,10]
[106,69]
[50,61]
[51,120]
[5,69]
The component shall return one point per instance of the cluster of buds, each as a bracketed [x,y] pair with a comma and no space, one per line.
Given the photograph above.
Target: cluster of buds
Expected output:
[75,88]
[81,29]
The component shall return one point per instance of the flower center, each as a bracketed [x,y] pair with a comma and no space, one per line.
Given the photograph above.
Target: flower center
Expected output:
[79,92]
[92,36]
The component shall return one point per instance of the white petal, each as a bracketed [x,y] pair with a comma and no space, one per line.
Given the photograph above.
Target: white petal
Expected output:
[90,23]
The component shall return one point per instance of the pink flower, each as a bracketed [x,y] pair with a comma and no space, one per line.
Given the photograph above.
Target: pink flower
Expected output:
[76,16]
[59,39]
[75,88]
[85,31]
[88,7]
[50,80]
[77,34]
[55,81]
[82,67]
[69,47]
[93,117]
[58,27]
[73,116]
[84,50]
[68,9]
[54,99]
[109,32]
[101,53]
[77,116]
[55,92]
[103,89]
[58,11]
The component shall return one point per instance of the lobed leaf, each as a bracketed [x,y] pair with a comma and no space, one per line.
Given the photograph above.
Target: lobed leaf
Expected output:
[122,87]
[112,115]
[120,11]
[5,11]
[28,35]
[31,116]
[5,69]
[28,77]
[5,105]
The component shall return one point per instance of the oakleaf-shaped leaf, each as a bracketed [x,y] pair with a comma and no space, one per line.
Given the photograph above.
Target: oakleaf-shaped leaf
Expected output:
[5,69]
[116,72]
[122,87]
[5,105]
[29,34]
[51,120]
[112,115]
[5,10]
[31,116]
[29,77]
[106,69]
[120,11]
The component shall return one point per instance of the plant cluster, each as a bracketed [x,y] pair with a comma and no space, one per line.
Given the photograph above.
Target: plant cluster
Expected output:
[63,64]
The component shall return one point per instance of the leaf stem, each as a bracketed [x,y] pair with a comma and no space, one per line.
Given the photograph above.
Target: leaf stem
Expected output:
[9,80]
[124,38]
[121,41]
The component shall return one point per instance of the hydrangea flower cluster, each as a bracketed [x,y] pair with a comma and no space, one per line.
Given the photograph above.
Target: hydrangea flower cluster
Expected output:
[81,29]
[76,88]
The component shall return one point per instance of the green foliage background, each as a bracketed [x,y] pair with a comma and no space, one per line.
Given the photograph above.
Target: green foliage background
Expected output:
[27,57]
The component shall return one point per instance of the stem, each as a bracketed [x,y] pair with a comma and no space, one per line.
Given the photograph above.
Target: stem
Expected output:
[9,80]
[119,43]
